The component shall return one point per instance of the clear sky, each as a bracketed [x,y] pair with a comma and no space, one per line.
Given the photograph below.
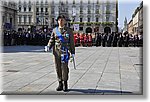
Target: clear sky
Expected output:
[126,9]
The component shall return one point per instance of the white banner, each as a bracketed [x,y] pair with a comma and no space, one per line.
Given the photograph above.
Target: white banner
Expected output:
[76,27]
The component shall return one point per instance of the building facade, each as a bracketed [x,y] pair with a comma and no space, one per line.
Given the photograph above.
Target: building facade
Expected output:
[141,18]
[137,21]
[9,15]
[33,15]
[91,15]
[130,27]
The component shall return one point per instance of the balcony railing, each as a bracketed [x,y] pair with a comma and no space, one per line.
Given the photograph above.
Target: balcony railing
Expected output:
[93,23]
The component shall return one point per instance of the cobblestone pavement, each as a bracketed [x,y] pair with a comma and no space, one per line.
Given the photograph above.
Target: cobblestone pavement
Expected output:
[100,71]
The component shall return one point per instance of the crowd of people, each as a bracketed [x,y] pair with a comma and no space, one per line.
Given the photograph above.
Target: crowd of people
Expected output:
[80,39]
[108,39]
[25,38]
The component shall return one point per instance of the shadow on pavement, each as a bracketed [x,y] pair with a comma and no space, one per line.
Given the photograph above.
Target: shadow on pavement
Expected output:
[93,91]
[73,92]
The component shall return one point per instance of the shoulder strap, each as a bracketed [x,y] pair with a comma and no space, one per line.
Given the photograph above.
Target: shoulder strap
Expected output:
[59,35]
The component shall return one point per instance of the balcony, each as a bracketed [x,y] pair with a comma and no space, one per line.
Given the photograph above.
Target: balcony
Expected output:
[80,23]
[89,23]
[107,23]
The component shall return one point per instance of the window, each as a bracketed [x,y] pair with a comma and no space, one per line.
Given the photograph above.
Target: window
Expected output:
[88,19]
[52,10]
[3,19]
[37,20]
[81,9]
[89,11]
[37,9]
[46,20]
[24,9]
[19,9]
[53,20]
[29,9]
[29,19]
[46,10]
[80,19]
[96,19]
[81,28]
[11,20]
[24,19]
[19,19]
[107,18]
[41,9]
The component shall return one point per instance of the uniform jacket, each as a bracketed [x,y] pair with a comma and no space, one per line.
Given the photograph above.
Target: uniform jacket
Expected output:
[56,43]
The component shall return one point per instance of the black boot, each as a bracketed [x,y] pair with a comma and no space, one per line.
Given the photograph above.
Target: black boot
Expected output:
[65,88]
[60,87]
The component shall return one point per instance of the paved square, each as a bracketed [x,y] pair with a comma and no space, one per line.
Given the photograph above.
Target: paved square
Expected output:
[100,71]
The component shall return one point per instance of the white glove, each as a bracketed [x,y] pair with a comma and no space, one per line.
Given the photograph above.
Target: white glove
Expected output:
[73,55]
[46,49]
[71,58]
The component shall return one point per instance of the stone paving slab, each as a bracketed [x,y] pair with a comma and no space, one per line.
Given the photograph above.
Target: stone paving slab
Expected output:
[100,71]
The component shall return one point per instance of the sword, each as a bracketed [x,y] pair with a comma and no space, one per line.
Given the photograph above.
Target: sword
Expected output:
[74,62]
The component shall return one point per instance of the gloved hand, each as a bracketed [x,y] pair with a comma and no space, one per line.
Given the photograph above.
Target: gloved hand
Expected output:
[47,48]
[71,57]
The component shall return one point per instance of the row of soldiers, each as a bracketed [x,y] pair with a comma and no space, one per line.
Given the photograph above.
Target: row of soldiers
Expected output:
[119,40]
[81,39]
[25,38]
[108,39]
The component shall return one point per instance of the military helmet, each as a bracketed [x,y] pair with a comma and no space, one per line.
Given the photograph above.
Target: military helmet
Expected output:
[60,16]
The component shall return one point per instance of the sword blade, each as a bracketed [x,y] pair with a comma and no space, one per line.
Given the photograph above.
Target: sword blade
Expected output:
[74,63]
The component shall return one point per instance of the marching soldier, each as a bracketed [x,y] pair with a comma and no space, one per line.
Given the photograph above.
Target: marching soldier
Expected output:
[62,41]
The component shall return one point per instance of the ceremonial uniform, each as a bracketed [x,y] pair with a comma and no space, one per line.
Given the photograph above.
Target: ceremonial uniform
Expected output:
[55,42]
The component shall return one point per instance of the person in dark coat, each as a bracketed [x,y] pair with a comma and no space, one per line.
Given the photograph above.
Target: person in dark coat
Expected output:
[104,39]
[136,41]
[126,39]
[109,40]
[98,39]
[120,40]
[115,40]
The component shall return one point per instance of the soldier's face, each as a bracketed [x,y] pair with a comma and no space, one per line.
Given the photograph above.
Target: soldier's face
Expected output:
[61,21]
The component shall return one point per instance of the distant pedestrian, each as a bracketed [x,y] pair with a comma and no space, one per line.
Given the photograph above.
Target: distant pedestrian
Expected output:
[89,40]
[115,40]
[126,39]
[120,40]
